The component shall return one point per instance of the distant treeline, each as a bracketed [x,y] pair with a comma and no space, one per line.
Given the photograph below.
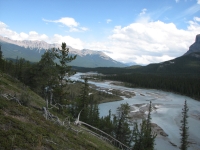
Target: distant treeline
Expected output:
[186,84]
[182,65]
[104,70]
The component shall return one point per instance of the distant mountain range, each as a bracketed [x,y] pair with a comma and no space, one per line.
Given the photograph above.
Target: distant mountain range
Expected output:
[32,51]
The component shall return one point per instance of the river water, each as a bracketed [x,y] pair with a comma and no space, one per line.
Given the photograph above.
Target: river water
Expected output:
[167,115]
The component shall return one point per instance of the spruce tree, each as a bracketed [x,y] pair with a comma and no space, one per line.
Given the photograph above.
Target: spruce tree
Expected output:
[1,59]
[184,128]
[83,100]
[107,124]
[121,122]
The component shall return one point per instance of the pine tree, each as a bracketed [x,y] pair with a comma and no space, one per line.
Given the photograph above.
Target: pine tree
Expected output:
[64,71]
[46,75]
[184,128]
[149,135]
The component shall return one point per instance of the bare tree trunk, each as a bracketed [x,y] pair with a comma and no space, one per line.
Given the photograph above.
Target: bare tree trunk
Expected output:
[47,102]
[51,97]
[45,113]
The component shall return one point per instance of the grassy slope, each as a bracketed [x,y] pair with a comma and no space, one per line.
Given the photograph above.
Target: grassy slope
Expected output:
[25,127]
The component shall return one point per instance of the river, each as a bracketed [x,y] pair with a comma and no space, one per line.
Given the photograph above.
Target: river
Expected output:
[167,114]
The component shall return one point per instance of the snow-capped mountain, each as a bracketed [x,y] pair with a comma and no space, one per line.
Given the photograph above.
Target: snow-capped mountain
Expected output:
[32,51]
[40,45]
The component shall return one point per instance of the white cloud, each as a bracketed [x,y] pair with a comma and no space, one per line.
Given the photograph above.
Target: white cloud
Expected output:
[142,42]
[108,20]
[23,35]
[98,46]
[84,28]
[190,11]
[33,35]
[198,1]
[143,12]
[73,42]
[149,42]
[74,30]
[2,25]
[177,1]
[69,22]
[146,59]
[197,19]
[80,29]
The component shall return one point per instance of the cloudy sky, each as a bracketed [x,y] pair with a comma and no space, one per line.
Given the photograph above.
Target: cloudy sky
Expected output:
[141,31]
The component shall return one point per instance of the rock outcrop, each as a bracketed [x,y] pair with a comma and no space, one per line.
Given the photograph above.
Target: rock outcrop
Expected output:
[195,47]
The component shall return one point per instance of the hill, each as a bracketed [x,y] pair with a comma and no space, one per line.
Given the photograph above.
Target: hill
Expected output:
[23,125]
[32,51]
[185,64]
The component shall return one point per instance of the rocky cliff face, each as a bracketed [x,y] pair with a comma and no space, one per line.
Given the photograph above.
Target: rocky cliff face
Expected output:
[195,47]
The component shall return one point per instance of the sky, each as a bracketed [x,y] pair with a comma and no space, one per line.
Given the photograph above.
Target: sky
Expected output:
[140,31]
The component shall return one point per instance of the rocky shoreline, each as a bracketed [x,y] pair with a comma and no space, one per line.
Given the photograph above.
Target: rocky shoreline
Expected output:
[140,111]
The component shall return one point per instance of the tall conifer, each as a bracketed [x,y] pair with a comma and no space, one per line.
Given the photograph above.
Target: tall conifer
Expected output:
[143,137]
[184,128]
[64,71]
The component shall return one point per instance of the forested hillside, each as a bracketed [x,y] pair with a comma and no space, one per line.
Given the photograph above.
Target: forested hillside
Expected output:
[32,121]
[24,123]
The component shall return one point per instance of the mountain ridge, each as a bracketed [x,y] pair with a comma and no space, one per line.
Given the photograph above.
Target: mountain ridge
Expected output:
[85,58]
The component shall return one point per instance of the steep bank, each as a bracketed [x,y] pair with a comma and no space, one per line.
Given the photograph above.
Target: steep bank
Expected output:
[23,126]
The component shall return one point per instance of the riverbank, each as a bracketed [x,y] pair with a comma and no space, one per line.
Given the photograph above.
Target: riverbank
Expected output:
[100,95]
[166,115]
